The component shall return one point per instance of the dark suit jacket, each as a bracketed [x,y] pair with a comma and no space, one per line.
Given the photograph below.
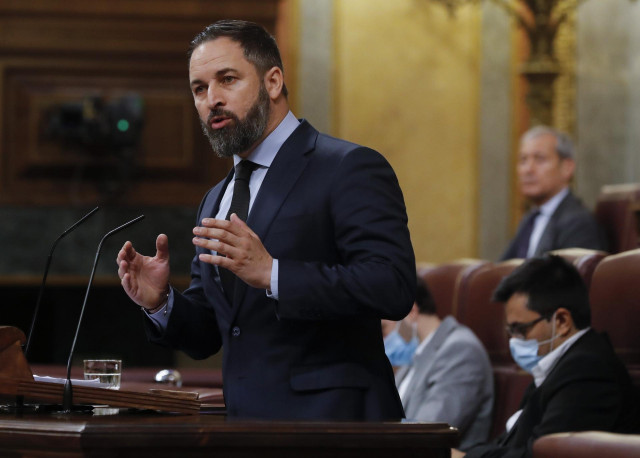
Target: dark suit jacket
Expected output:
[571,226]
[333,214]
[588,389]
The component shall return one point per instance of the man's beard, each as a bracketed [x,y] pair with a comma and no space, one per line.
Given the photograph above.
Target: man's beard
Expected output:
[240,134]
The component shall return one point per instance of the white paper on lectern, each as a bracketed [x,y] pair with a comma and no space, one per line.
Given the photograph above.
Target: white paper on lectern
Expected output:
[76,382]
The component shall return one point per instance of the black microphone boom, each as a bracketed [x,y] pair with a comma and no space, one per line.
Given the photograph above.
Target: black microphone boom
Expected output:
[67,397]
[44,277]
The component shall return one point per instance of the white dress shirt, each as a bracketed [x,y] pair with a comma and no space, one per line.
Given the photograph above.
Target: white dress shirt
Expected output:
[540,224]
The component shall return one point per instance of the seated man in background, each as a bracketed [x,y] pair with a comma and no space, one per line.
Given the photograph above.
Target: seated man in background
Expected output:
[579,382]
[546,165]
[449,377]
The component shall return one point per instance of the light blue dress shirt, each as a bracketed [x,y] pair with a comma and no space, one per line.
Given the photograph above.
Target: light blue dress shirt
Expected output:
[263,155]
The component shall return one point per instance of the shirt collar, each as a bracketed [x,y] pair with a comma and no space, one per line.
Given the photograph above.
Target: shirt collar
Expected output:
[550,206]
[544,366]
[424,343]
[265,152]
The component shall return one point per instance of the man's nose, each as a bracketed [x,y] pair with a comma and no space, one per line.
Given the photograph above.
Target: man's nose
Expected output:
[214,97]
[525,165]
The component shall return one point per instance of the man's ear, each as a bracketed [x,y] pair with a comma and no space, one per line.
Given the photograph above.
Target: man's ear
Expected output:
[564,322]
[274,82]
[407,325]
[568,168]
[413,314]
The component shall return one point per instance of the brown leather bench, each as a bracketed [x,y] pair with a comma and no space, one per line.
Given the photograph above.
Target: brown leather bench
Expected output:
[583,259]
[615,306]
[484,317]
[589,444]
[444,280]
[618,212]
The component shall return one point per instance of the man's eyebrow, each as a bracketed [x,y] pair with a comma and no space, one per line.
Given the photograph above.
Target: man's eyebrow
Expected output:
[219,73]
[225,70]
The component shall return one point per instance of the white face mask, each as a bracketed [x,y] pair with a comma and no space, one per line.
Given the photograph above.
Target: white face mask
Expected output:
[525,351]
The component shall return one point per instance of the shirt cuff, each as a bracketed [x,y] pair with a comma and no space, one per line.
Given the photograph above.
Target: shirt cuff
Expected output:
[161,317]
[272,292]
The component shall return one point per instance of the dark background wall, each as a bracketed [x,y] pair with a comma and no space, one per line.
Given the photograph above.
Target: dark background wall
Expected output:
[65,68]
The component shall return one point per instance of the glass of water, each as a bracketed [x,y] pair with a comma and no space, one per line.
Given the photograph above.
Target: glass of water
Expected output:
[108,371]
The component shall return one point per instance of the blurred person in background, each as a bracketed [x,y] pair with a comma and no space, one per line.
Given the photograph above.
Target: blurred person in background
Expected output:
[557,218]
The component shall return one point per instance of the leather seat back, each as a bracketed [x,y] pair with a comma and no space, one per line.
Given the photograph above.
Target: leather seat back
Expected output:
[485,317]
[444,280]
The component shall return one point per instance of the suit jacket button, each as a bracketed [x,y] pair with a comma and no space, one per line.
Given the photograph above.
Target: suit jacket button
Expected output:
[235,332]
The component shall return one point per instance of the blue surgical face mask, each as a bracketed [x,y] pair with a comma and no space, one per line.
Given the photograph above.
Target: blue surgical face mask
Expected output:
[399,351]
[525,351]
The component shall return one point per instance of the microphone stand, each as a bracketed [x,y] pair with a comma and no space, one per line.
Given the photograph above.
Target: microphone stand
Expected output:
[44,277]
[67,396]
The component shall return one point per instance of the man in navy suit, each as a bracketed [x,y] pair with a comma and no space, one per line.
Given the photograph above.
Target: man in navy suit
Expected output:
[295,294]
[557,219]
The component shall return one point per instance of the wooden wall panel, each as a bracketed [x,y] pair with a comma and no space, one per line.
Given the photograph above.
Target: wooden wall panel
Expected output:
[55,53]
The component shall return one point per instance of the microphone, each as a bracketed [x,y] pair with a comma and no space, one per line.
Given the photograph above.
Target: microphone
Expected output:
[44,277]
[67,397]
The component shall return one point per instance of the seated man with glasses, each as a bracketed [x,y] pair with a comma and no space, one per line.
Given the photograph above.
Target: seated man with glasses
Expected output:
[579,383]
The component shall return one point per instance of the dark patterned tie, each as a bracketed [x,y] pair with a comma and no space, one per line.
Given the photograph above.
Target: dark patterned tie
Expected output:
[239,206]
[525,235]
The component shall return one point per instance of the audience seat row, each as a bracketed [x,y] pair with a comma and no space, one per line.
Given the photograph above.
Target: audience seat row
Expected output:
[618,213]
[463,288]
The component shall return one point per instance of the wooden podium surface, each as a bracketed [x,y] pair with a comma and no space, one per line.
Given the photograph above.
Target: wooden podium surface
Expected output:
[145,434]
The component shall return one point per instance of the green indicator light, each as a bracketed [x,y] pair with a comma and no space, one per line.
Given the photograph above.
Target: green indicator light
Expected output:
[123,125]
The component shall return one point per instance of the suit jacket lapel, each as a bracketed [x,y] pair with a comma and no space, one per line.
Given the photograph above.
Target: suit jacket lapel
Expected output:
[506,437]
[401,374]
[512,249]
[281,176]
[211,204]
[210,207]
[548,236]
[426,359]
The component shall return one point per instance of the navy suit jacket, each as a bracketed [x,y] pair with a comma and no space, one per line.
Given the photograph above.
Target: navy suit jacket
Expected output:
[571,226]
[333,214]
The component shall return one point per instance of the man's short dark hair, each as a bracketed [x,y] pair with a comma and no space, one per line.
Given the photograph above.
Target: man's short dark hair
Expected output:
[550,282]
[260,47]
[424,300]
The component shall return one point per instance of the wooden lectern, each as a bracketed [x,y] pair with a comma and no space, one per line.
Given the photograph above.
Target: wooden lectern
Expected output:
[12,361]
[145,433]
[17,383]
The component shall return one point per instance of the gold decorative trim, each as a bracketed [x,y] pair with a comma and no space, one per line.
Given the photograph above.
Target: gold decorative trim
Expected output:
[564,107]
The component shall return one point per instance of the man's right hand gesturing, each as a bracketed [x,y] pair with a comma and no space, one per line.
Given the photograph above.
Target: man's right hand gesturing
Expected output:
[145,279]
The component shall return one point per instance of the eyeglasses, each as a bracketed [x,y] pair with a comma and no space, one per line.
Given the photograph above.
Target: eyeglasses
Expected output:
[520,330]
